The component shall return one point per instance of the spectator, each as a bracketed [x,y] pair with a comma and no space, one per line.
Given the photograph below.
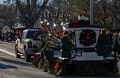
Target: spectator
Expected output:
[111,40]
[116,44]
[103,44]
[2,36]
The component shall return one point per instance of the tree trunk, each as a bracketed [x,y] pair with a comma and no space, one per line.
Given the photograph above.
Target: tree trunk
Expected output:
[30,12]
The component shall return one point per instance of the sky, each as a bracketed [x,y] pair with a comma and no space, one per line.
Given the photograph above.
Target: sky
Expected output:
[1,1]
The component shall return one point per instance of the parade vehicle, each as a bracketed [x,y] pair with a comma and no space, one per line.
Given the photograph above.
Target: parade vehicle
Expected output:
[28,43]
[85,51]
[85,58]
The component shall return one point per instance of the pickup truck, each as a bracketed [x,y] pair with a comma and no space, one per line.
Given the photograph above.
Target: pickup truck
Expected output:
[29,43]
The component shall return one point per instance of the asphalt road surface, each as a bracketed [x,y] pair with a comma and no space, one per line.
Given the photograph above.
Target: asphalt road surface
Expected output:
[11,67]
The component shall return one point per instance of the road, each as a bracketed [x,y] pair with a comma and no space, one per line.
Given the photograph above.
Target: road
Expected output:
[11,67]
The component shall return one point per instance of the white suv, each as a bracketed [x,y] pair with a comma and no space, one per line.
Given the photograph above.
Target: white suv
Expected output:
[28,43]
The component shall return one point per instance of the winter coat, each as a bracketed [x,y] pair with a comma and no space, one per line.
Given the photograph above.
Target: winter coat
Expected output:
[104,43]
[116,41]
[66,43]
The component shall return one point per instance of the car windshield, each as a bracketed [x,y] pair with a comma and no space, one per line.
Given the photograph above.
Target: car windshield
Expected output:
[34,34]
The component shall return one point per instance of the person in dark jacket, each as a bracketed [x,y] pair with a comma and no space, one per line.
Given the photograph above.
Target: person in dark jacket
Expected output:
[66,45]
[104,44]
[111,40]
[116,44]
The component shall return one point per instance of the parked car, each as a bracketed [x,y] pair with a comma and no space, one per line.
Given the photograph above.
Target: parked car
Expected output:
[29,43]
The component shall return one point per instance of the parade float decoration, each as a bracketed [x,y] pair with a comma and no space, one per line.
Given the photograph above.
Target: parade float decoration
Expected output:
[84,56]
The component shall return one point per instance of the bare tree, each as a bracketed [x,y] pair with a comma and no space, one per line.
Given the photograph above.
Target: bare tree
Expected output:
[107,12]
[29,11]
[72,8]
[8,12]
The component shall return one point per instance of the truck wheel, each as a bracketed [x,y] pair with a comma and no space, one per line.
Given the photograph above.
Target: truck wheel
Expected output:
[16,52]
[27,58]
[114,68]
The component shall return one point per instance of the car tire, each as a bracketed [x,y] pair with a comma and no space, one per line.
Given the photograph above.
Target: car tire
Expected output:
[16,52]
[27,58]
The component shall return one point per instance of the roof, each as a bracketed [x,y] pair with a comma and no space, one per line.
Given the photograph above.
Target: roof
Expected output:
[81,23]
[34,29]
[6,27]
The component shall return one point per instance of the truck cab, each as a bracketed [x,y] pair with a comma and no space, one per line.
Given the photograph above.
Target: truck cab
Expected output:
[28,43]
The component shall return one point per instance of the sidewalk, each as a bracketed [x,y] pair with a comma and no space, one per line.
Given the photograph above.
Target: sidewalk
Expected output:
[8,42]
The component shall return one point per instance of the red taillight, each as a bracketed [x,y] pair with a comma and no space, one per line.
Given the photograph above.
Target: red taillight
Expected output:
[30,44]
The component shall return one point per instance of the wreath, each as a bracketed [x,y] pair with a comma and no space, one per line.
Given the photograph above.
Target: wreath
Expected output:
[87,37]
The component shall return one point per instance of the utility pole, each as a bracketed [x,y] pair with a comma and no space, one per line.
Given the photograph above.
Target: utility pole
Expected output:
[91,12]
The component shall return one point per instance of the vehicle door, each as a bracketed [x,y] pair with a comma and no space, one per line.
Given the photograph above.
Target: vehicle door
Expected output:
[23,44]
[19,42]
